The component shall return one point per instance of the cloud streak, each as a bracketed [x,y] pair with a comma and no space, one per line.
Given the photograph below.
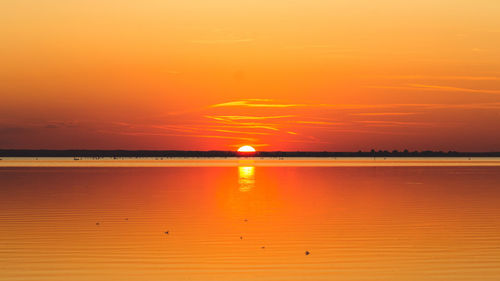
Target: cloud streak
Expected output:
[459,78]
[453,89]
[177,135]
[440,88]
[241,117]
[267,103]
[319,122]
[240,132]
[255,103]
[396,123]
[383,113]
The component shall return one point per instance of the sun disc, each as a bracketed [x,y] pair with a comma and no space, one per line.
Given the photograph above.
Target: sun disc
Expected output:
[246,148]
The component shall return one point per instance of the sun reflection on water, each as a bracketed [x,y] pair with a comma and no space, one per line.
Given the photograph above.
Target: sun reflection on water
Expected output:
[246,178]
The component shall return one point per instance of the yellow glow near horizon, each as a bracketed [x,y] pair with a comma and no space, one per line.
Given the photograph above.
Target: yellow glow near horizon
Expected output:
[246,148]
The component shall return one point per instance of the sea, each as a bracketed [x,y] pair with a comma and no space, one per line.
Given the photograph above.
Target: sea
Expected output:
[387,219]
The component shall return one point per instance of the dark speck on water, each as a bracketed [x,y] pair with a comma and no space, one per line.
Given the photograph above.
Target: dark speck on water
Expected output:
[307,253]
[166,232]
[263,247]
[97,223]
[245,220]
[241,237]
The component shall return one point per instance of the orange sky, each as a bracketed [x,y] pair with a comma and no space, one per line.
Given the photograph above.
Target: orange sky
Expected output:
[341,75]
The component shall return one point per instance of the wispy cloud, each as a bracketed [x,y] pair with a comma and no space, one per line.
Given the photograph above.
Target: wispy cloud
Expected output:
[246,126]
[253,144]
[423,87]
[453,89]
[306,141]
[372,132]
[396,123]
[255,103]
[240,132]
[437,77]
[383,113]
[318,122]
[272,103]
[242,117]
[237,123]
[177,128]
[177,135]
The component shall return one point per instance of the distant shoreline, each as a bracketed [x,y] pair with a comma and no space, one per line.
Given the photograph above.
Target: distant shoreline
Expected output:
[217,153]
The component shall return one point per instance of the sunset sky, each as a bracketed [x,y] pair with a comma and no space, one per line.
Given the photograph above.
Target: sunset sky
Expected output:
[338,75]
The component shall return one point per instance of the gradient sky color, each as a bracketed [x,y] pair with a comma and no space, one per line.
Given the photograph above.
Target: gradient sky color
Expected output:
[342,75]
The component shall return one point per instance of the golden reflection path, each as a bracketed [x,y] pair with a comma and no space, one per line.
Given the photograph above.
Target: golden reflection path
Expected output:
[246,178]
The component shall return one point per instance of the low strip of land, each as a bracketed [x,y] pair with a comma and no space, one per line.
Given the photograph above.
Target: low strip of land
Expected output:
[217,153]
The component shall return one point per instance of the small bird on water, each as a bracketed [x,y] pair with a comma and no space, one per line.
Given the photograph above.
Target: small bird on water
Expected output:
[166,232]
[307,253]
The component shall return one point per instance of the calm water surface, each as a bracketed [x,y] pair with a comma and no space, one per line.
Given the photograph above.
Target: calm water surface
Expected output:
[250,223]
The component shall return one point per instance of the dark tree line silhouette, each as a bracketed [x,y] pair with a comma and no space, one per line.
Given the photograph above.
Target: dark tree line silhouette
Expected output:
[218,153]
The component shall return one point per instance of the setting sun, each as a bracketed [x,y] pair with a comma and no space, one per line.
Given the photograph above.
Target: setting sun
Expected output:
[246,148]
